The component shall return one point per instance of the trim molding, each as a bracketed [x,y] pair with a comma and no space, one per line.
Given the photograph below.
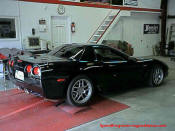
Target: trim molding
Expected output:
[93,5]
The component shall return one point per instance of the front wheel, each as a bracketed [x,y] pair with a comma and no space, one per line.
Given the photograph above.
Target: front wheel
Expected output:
[80,91]
[156,76]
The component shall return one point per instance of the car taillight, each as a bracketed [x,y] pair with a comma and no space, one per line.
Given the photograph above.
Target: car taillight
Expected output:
[19,61]
[12,63]
[9,62]
[36,71]
[28,68]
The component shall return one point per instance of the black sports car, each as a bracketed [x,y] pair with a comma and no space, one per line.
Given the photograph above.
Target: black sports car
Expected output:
[75,71]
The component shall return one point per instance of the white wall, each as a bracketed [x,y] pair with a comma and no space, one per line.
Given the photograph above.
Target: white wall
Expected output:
[130,29]
[133,33]
[171,9]
[152,4]
[86,19]
[9,8]
[117,32]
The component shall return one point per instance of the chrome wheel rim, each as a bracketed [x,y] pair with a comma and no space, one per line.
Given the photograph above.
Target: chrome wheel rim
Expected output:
[158,76]
[81,91]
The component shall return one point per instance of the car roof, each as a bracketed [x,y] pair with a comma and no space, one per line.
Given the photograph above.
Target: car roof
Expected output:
[86,44]
[99,45]
[94,45]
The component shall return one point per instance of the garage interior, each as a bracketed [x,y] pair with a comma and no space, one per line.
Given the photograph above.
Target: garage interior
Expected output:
[140,28]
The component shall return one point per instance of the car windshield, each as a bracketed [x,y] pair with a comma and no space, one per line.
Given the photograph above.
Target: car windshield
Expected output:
[67,51]
[56,50]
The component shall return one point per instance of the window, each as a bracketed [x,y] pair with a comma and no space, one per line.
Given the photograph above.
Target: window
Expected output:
[7,28]
[106,55]
[53,52]
[103,1]
[34,41]
[72,52]
[117,2]
[88,54]
[112,2]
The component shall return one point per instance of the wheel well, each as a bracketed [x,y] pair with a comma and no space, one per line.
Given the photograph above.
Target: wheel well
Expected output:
[75,75]
[151,66]
[164,67]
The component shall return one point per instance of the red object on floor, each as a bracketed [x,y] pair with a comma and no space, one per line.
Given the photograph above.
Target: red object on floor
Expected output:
[2,57]
[10,92]
[26,112]
[73,110]
[11,103]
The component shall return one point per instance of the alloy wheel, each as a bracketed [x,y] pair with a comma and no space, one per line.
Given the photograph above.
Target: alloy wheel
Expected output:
[81,91]
[158,76]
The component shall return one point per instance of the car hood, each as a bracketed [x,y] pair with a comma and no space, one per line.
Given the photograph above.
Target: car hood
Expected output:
[42,59]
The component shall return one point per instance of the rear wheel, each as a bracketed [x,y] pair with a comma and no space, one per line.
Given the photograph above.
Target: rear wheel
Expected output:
[80,91]
[156,76]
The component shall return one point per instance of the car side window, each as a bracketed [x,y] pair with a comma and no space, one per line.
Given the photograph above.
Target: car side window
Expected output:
[88,54]
[107,54]
[70,52]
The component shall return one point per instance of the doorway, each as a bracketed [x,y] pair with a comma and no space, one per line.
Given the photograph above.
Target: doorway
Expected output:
[61,30]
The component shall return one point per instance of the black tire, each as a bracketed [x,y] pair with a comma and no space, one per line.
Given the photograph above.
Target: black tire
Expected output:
[155,79]
[74,92]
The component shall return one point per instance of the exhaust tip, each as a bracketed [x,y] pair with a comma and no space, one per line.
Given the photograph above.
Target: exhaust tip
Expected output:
[18,88]
[26,91]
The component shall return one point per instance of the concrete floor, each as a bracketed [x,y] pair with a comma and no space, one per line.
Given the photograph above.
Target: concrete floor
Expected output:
[147,106]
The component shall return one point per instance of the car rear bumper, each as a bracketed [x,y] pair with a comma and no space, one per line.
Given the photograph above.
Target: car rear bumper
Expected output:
[45,85]
[45,89]
[31,88]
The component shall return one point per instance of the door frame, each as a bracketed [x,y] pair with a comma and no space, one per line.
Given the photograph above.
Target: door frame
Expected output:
[68,19]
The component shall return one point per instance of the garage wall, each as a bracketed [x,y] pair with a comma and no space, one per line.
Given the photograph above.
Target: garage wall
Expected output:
[130,29]
[86,20]
[9,8]
[152,4]
[133,33]
[171,9]
[117,32]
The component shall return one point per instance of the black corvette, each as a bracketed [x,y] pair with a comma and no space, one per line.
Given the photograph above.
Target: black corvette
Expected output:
[75,71]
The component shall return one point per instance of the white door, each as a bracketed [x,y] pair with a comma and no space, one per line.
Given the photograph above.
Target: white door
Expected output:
[60,30]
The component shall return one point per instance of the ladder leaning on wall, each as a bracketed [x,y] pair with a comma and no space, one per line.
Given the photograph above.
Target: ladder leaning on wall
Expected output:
[110,20]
